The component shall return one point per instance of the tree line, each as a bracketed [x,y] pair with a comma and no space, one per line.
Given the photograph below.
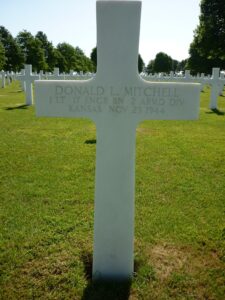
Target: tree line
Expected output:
[40,53]
[164,63]
[206,51]
[208,47]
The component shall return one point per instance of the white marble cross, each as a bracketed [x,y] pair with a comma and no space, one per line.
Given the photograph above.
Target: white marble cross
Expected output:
[187,75]
[20,77]
[171,74]
[42,75]
[216,86]
[28,78]
[56,75]
[202,80]
[70,76]
[222,78]
[3,79]
[117,99]
[8,77]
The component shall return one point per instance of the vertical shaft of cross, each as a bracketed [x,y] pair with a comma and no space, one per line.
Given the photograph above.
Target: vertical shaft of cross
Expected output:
[118,50]
[214,88]
[29,92]
[114,202]
[3,79]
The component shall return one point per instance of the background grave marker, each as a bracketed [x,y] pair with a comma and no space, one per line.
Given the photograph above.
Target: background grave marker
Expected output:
[3,79]
[28,78]
[215,88]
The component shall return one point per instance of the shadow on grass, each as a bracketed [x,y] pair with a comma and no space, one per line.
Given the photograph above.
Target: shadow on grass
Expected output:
[90,142]
[99,289]
[107,290]
[216,111]
[14,92]
[23,106]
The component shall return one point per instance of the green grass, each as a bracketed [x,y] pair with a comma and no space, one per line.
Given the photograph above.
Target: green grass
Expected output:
[47,202]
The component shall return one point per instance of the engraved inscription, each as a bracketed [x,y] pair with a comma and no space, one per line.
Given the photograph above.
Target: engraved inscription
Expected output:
[133,100]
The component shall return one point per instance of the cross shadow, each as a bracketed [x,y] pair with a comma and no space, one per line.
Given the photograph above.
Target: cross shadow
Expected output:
[107,290]
[22,106]
[99,289]
[216,111]
[14,92]
[90,142]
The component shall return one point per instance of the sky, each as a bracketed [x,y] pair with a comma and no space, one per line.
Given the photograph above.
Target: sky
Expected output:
[166,25]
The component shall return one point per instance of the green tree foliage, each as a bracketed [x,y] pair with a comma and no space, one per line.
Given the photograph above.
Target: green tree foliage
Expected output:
[2,56]
[94,58]
[67,51]
[71,58]
[150,67]
[175,64]
[208,47]
[32,49]
[162,63]
[60,60]
[182,65]
[49,51]
[83,62]
[13,53]
[141,63]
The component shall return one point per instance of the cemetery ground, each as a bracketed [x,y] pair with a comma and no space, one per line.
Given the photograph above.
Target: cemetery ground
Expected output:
[47,169]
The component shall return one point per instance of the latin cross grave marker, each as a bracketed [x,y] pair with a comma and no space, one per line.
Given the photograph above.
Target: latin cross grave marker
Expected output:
[222,78]
[3,79]
[28,78]
[8,77]
[56,75]
[20,78]
[117,99]
[216,87]
[70,76]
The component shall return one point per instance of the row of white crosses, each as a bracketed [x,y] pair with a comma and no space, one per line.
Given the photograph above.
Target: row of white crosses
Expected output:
[56,75]
[117,100]
[217,85]
[63,76]
[5,78]
[20,77]
[216,81]
[27,78]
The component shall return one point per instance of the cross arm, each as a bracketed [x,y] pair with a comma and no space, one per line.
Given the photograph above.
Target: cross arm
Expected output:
[137,101]
[168,101]
[56,98]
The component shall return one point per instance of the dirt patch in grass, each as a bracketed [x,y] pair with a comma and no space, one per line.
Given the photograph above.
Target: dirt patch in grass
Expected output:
[149,131]
[46,266]
[39,277]
[185,271]
[167,259]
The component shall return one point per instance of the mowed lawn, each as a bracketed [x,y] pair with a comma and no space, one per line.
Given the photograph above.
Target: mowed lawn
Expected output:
[47,173]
